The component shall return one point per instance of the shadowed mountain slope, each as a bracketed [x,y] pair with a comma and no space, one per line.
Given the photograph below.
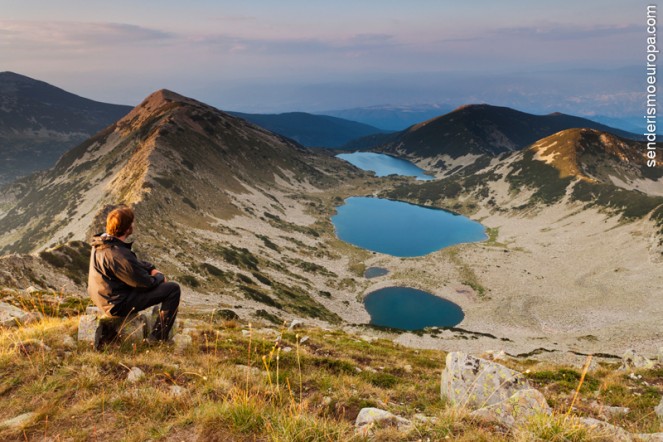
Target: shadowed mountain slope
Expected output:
[39,122]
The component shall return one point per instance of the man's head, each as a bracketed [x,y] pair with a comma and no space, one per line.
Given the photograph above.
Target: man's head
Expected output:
[119,222]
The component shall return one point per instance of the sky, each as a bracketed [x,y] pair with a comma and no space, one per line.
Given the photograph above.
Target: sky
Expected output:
[583,57]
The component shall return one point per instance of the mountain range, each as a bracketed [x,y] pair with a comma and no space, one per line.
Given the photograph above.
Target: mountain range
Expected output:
[475,130]
[39,122]
[392,118]
[311,130]
[240,216]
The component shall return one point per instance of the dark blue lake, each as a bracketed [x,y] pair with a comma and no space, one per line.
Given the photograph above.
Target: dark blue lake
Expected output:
[402,229]
[411,309]
[384,165]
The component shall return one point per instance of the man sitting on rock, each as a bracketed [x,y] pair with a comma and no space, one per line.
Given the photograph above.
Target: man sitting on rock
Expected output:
[120,284]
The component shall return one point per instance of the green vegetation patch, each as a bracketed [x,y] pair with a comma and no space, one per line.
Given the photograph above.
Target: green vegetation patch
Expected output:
[259,295]
[73,258]
[630,203]
[239,257]
[543,178]
[264,314]
[268,243]
[564,379]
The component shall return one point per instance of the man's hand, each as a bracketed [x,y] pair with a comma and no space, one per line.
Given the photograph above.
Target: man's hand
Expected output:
[154,272]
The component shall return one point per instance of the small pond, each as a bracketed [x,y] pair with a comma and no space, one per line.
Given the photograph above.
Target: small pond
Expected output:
[375,272]
[411,309]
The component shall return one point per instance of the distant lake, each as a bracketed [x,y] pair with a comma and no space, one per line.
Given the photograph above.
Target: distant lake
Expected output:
[411,309]
[384,165]
[402,229]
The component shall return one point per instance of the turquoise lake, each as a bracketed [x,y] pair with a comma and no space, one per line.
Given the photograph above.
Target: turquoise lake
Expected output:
[411,309]
[402,229]
[384,165]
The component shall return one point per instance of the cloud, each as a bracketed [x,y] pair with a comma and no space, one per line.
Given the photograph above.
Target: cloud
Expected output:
[67,34]
[557,32]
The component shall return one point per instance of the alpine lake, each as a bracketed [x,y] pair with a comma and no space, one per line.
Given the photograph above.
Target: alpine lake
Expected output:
[403,230]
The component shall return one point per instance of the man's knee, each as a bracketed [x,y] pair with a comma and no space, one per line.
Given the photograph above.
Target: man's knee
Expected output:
[173,289]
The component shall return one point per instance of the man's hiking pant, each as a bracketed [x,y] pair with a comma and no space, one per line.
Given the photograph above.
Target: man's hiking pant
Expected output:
[167,294]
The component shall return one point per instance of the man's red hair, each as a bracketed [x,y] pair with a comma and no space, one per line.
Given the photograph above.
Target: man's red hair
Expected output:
[119,221]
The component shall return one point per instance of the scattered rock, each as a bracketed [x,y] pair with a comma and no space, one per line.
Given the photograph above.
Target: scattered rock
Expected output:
[425,419]
[616,433]
[31,289]
[93,310]
[135,374]
[407,368]
[95,328]
[608,412]
[369,418]
[358,370]
[631,360]
[304,339]
[326,400]
[30,346]
[515,410]
[183,342]
[612,412]
[68,342]
[286,349]
[246,333]
[650,437]
[477,383]
[18,421]
[493,355]
[659,411]
[89,330]
[295,324]
[11,316]
[252,370]
[368,338]
[176,390]
[660,355]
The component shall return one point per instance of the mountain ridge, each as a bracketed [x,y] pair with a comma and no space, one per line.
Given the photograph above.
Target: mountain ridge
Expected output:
[39,122]
[311,130]
[475,129]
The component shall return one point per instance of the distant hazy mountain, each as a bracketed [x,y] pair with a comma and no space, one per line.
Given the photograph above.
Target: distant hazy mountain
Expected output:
[476,129]
[39,122]
[392,118]
[311,130]
[635,125]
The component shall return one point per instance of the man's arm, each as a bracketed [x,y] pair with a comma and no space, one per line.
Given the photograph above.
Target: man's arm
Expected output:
[132,272]
[148,266]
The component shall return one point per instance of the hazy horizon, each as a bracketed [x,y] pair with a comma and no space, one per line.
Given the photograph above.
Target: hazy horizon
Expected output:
[585,59]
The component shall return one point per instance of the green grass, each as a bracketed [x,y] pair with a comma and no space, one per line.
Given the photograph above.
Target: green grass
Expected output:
[312,393]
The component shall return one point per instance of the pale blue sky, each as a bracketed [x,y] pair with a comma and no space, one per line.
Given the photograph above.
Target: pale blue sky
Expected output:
[316,55]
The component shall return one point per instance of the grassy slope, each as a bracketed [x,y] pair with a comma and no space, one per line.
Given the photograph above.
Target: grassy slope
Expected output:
[313,392]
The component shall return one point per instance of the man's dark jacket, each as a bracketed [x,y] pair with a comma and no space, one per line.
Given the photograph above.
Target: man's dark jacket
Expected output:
[115,272]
